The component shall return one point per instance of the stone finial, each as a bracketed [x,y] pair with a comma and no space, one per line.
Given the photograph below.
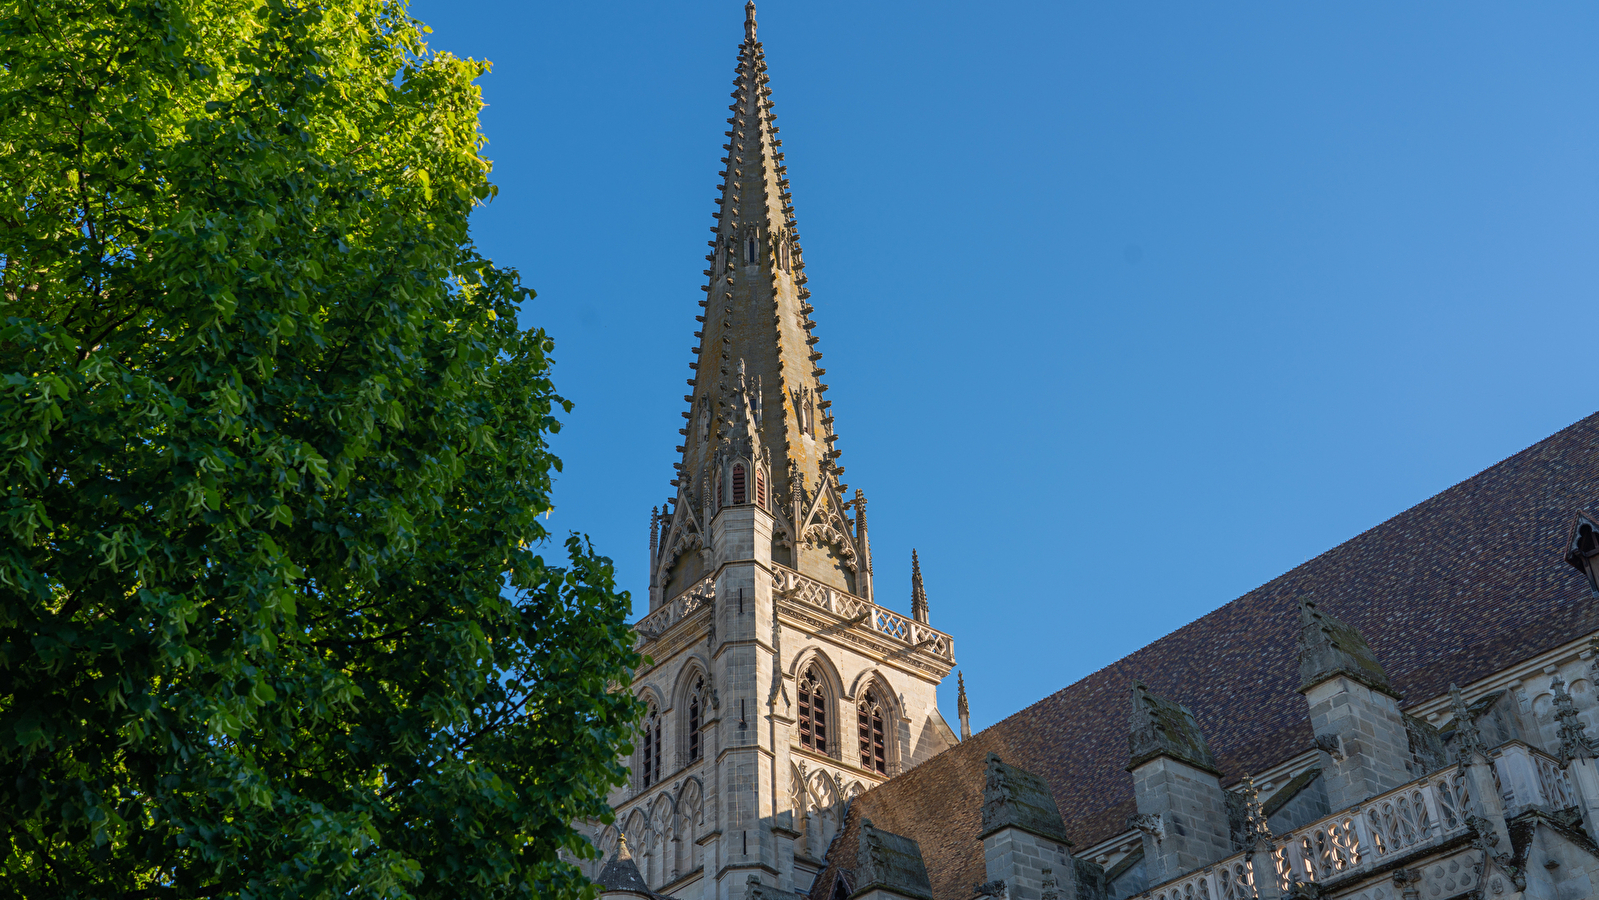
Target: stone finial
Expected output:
[1574,742]
[1161,727]
[1016,798]
[1468,740]
[918,593]
[863,543]
[962,708]
[1257,833]
[1257,844]
[1329,647]
[749,20]
[891,863]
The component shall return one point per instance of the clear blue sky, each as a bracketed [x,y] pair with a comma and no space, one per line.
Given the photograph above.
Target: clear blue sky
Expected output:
[1128,307]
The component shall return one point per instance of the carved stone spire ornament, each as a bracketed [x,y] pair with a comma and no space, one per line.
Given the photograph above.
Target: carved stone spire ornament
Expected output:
[961,707]
[1468,740]
[1257,844]
[1574,743]
[918,593]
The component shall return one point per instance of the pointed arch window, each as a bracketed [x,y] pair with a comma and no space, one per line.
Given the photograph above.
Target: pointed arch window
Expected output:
[749,250]
[812,711]
[695,708]
[738,485]
[760,486]
[874,739]
[718,490]
[651,771]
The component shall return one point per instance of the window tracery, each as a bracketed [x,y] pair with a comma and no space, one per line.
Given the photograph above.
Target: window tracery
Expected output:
[695,705]
[812,711]
[873,736]
[650,772]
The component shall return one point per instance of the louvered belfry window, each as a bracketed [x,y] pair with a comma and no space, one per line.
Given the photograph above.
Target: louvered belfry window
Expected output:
[694,720]
[760,487]
[812,712]
[652,747]
[738,485]
[874,747]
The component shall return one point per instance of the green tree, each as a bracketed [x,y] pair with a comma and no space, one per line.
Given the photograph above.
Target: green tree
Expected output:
[273,445]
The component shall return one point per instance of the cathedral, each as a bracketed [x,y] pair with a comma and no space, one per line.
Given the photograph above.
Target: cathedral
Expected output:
[1411,715]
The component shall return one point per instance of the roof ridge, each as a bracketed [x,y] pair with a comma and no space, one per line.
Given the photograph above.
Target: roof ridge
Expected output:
[1268,584]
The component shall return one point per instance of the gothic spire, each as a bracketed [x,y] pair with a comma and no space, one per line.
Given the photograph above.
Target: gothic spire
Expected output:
[918,593]
[756,317]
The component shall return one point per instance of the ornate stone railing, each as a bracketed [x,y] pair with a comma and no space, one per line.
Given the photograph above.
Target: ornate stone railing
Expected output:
[1412,817]
[685,603]
[791,584]
[1528,777]
[1358,839]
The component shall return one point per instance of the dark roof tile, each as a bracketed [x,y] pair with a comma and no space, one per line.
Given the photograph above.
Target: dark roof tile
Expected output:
[1450,590]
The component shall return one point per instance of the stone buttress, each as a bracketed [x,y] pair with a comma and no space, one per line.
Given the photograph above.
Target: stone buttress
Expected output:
[1354,711]
[1182,809]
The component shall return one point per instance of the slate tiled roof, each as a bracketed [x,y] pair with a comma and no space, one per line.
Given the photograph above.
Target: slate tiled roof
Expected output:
[1450,590]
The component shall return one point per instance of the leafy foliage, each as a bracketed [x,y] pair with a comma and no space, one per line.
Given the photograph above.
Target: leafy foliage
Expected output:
[273,446]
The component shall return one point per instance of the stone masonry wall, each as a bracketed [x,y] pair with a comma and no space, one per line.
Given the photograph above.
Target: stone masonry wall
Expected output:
[1365,727]
[1193,813]
[1019,858]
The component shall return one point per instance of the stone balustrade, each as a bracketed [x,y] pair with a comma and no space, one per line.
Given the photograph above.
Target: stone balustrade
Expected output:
[792,585]
[1359,839]
[652,626]
[902,629]
[1365,837]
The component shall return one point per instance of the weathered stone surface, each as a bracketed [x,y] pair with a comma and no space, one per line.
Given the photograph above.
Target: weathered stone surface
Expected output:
[1015,798]
[755,890]
[891,863]
[1328,647]
[1161,727]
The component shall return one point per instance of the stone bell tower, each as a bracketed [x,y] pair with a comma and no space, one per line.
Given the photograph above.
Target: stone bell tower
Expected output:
[777,686]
